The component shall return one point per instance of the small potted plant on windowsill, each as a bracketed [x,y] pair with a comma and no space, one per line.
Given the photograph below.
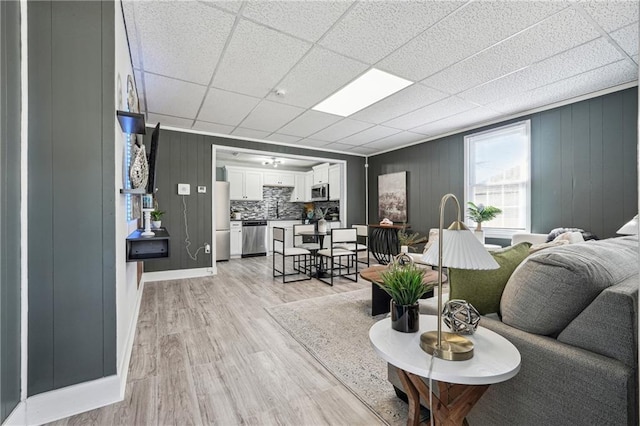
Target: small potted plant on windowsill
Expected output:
[156,218]
[480,213]
[404,283]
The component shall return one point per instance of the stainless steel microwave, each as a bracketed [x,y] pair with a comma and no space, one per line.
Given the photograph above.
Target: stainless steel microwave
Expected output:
[320,192]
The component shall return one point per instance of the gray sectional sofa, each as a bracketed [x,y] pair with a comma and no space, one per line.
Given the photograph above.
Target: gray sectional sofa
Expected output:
[572,313]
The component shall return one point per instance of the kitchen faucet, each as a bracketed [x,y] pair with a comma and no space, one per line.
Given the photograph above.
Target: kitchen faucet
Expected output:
[277,210]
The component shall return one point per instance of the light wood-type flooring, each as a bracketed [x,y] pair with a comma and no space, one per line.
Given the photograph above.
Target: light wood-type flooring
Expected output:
[206,352]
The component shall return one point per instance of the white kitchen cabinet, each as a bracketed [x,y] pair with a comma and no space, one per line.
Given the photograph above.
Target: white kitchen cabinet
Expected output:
[321,174]
[308,183]
[298,194]
[244,184]
[335,181]
[279,179]
[236,239]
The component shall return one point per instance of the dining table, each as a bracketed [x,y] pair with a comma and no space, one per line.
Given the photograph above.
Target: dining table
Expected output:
[320,273]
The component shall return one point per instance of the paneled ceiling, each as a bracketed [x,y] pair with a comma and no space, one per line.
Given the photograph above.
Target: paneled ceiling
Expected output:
[254,69]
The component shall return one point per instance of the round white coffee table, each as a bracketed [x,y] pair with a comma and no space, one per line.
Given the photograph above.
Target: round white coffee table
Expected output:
[460,383]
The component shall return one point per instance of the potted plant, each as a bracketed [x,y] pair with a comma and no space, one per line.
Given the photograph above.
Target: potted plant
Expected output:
[322,223]
[408,240]
[404,283]
[480,213]
[156,218]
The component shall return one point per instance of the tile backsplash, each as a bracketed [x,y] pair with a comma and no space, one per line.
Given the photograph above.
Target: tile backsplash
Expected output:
[275,205]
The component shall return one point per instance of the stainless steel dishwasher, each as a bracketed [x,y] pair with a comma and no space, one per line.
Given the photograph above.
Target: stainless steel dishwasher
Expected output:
[254,238]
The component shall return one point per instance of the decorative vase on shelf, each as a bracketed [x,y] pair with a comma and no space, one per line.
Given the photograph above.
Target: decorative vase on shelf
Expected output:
[479,232]
[405,318]
[322,225]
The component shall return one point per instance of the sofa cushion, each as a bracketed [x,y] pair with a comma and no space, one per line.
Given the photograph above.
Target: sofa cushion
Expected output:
[554,285]
[483,289]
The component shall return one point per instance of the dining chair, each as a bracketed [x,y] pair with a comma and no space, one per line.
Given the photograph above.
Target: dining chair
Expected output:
[339,261]
[296,254]
[309,242]
[361,245]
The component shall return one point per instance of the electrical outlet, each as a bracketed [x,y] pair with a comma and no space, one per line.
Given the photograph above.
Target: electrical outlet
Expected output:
[207,248]
[202,189]
[184,189]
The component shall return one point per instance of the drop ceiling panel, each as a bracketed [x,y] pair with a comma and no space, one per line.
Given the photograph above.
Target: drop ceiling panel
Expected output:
[567,64]
[309,123]
[128,9]
[313,143]
[228,5]
[430,113]
[466,119]
[173,97]
[340,130]
[225,107]
[406,100]
[472,28]
[167,120]
[530,46]
[337,146]
[364,150]
[140,89]
[399,139]
[213,127]
[257,58]
[178,39]
[611,15]
[610,75]
[316,77]
[250,133]
[283,138]
[305,19]
[270,116]
[627,38]
[368,135]
[372,30]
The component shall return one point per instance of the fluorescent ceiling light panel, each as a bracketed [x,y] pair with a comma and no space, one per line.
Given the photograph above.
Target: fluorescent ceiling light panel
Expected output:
[368,89]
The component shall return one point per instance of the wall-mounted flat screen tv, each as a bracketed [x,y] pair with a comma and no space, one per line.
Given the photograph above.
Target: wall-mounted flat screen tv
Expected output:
[153,155]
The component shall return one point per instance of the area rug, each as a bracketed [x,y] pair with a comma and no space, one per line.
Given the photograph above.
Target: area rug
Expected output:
[335,330]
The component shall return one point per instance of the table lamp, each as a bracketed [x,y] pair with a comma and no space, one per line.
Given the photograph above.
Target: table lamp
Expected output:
[629,228]
[458,248]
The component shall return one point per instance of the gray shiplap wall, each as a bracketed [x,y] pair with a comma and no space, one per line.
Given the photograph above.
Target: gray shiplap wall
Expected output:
[186,158]
[10,104]
[583,168]
[71,193]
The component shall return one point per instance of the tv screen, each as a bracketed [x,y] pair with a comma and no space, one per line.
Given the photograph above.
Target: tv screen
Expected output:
[153,155]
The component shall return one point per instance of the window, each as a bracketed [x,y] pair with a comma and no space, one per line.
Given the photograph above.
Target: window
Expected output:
[497,173]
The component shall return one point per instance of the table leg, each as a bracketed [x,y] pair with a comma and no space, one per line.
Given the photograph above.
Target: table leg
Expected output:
[451,405]
[384,244]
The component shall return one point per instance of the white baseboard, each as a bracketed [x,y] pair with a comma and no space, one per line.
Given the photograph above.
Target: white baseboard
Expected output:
[60,403]
[123,368]
[179,274]
[18,416]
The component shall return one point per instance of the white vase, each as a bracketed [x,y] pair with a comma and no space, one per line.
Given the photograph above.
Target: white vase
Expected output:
[322,225]
[479,235]
[156,224]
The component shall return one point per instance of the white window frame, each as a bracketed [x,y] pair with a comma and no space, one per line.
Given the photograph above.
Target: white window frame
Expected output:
[490,232]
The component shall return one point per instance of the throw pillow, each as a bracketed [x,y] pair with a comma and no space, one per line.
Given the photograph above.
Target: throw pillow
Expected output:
[571,237]
[483,289]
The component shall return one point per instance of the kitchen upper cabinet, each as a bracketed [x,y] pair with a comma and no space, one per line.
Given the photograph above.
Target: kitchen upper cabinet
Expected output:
[279,179]
[335,181]
[308,183]
[321,174]
[298,194]
[244,184]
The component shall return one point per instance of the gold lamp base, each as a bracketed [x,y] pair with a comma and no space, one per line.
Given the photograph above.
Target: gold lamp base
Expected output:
[453,347]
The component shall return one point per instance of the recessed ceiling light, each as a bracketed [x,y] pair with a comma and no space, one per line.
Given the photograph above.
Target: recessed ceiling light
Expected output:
[367,89]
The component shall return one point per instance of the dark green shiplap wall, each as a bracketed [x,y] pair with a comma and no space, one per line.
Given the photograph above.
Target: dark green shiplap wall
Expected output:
[10,104]
[186,158]
[584,171]
[71,193]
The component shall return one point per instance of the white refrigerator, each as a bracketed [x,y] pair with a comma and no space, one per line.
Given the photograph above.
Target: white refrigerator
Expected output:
[222,209]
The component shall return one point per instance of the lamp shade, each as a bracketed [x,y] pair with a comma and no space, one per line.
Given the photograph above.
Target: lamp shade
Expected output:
[462,250]
[629,228]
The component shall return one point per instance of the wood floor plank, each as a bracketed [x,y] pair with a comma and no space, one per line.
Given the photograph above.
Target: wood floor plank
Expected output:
[207,352]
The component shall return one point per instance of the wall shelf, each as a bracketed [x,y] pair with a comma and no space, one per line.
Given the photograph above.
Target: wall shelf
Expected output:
[141,248]
[138,191]
[131,122]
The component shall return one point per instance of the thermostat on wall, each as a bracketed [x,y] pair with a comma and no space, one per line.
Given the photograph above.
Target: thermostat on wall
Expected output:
[184,189]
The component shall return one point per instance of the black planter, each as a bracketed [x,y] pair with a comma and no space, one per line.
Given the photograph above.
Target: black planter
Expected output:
[405,318]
